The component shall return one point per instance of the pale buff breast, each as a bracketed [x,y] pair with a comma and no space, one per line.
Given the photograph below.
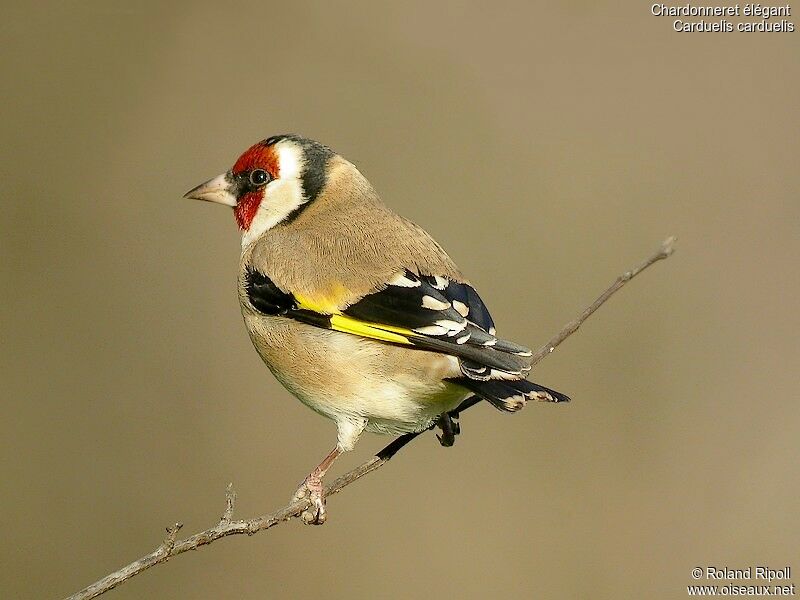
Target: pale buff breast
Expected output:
[343,376]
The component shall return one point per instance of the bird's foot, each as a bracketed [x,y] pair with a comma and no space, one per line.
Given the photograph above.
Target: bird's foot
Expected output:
[448,423]
[313,490]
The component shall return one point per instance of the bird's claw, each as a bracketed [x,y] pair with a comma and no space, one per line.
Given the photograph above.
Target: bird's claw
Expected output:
[312,490]
[456,425]
[450,429]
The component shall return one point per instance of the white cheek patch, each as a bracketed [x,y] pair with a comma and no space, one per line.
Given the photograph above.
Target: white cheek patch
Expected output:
[281,197]
[290,160]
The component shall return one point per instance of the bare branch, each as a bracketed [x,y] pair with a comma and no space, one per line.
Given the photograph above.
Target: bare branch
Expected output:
[230,501]
[171,546]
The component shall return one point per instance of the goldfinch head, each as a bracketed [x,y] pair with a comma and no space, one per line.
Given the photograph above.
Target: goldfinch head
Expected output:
[270,182]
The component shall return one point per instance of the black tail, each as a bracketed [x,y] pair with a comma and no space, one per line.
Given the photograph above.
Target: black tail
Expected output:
[511,395]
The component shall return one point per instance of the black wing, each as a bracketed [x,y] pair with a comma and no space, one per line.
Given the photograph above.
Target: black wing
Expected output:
[425,311]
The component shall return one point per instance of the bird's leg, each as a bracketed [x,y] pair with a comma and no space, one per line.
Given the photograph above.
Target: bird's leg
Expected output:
[313,489]
[450,429]
[448,422]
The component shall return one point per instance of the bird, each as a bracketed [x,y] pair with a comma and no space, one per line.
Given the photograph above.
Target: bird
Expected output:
[357,311]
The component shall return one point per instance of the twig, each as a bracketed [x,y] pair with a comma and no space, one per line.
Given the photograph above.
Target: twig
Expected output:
[666,250]
[171,546]
[230,501]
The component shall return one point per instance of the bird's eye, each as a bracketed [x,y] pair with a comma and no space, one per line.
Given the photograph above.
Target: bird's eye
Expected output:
[259,177]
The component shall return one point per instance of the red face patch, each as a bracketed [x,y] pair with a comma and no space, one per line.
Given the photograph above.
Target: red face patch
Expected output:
[246,208]
[258,156]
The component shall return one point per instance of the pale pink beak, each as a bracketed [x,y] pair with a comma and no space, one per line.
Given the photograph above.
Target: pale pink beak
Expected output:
[214,190]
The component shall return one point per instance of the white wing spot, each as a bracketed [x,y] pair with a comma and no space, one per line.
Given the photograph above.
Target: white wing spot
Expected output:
[452,325]
[440,283]
[402,281]
[463,339]
[462,308]
[432,330]
[434,304]
[496,374]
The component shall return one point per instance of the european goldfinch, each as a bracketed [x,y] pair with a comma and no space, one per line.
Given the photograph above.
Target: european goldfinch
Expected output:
[357,311]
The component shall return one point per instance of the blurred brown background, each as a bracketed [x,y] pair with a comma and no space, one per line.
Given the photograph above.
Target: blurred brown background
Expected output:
[548,149]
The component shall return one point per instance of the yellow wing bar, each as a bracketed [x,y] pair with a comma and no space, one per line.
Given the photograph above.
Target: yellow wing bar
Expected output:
[345,324]
[375,331]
